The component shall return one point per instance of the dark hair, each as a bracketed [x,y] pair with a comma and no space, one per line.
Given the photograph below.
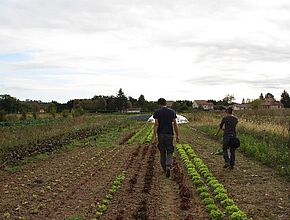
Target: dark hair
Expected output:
[229,110]
[161,101]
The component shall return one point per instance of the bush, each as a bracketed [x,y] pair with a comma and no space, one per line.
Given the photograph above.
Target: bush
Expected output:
[2,115]
[65,113]
[11,117]
[77,112]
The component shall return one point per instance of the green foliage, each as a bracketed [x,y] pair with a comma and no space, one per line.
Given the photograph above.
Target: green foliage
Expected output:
[52,109]
[239,215]
[2,115]
[77,112]
[103,206]
[65,113]
[221,197]
[216,215]
[202,189]
[285,99]
[207,201]
[204,195]
[195,166]
[9,104]
[231,209]
[227,202]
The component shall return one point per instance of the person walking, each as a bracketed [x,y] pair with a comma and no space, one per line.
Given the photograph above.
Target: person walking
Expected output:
[228,125]
[165,123]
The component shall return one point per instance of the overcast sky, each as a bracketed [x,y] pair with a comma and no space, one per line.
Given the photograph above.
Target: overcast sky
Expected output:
[186,49]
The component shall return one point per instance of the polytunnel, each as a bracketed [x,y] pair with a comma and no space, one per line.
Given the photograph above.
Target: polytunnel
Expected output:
[180,119]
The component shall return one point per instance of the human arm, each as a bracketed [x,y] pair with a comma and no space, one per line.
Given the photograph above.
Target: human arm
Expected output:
[176,130]
[155,127]
[220,127]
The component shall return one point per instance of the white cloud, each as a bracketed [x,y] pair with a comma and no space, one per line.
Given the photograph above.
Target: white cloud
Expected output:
[179,50]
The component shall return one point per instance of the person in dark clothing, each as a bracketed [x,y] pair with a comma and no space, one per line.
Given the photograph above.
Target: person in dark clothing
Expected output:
[165,123]
[228,125]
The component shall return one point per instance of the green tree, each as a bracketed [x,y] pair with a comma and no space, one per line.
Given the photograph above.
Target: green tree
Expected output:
[121,100]
[285,99]
[52,109]
[141,101]
[78,111]
[255,104]
[101,103]
[9,104]
[228,99]
[269,96]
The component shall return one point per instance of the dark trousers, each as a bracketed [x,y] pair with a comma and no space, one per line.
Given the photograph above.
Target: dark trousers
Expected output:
[226,145]
[166,148]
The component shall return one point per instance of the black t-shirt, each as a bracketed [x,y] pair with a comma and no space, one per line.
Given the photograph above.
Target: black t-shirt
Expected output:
[165,118]
[230,123]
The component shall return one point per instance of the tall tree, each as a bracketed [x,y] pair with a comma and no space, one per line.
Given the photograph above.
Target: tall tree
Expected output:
[141,101]
[269,96]
[228,99]
[261,96]
[9,104]
[285,99]
[121,100]
[52,109]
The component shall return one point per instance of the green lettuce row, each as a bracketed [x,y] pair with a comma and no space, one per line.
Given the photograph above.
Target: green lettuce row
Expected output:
[216,188]
[103,206]
[149,135]
[145,134]
[137,136]
[202,189]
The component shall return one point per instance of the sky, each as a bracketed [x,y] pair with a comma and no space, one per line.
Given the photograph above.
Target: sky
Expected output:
[180,50]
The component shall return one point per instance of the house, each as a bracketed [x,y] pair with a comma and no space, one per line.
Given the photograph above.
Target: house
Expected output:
[133,110]
[237,107]
[202,104]
[271,104]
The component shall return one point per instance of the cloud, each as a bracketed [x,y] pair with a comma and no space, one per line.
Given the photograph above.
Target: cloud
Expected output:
[153,47]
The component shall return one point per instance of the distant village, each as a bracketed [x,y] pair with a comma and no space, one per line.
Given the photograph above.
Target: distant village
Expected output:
[122,103]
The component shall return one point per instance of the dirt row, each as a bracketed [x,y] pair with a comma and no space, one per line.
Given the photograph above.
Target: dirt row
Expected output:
[255,188]
[69,184]
[147,194]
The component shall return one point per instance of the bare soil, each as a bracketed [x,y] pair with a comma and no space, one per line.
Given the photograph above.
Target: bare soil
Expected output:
[71,184]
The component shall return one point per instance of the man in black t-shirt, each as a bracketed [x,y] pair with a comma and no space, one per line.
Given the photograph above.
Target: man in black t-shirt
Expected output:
[228,125]
[165,123]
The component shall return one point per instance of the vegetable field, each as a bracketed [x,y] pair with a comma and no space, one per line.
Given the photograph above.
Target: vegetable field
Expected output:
[108,169]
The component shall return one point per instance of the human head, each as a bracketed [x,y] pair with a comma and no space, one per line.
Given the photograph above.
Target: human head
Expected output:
[162,102]
[229,110]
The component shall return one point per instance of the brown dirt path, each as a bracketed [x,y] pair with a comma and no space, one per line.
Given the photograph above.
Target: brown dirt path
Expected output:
[255,188]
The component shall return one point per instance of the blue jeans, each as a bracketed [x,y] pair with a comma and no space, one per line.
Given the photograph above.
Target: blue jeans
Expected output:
[166,148]
[226,140]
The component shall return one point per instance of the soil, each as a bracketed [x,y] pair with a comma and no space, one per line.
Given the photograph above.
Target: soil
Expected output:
[70,184]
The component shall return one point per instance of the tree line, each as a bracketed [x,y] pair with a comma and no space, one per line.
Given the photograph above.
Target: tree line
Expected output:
[109,104]
[99,103]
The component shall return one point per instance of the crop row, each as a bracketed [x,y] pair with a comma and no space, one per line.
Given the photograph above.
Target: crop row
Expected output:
[103,205]
[210,190]
[144,135]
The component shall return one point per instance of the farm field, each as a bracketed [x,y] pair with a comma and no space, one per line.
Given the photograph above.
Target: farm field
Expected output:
[108,169]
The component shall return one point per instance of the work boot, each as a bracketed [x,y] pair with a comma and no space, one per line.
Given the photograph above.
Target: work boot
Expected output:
[226,165]
[167,172]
